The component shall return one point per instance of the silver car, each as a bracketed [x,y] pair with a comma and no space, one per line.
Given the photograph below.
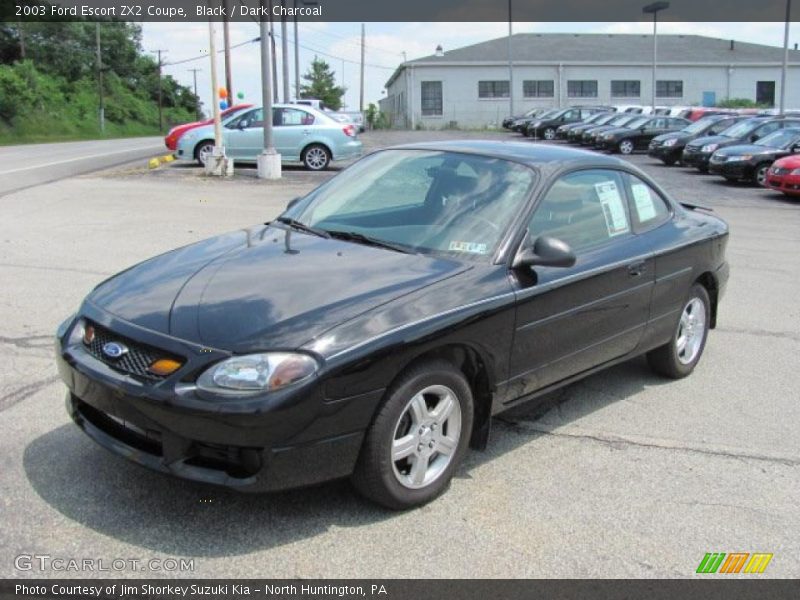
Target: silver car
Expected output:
[300,134]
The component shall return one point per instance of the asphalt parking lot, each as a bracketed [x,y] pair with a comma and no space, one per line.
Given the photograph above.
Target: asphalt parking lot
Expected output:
[621,475]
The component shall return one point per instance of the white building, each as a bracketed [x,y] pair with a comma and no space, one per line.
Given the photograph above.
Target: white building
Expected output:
[469,87]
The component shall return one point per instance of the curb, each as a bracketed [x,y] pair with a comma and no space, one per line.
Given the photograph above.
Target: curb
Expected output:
[156,162]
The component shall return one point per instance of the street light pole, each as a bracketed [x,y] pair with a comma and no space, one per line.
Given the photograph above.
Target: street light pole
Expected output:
[654,8]
[785,56]
[269,161]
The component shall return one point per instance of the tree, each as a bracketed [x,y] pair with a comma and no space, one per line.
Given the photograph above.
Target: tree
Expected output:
[321,84]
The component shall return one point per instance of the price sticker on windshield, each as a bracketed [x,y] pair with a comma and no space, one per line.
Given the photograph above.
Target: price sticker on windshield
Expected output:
[471,247]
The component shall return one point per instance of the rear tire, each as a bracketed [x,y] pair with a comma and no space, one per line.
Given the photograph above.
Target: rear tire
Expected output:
[678,357]
[418,438]
[760,174]
[669,161]
[316,157]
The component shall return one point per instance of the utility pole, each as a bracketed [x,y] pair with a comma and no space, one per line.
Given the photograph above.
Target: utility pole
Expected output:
[102,111]
[361,94]
[21,33]
[785,56]
[196,97]
[285,54]
[296,58]
[653,9]
[269,161]
[217,164]
[510,65]
[160,109]
[273,55]
[344,96]
[227,44]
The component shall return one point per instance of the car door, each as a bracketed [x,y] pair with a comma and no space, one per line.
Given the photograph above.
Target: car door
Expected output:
[244,140]
[292,129]
[651,129]
[572,319]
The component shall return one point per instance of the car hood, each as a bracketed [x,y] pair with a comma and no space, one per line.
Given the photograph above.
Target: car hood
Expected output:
[672,135]
[722,140]
[264,287]
[753,149]
[601,128]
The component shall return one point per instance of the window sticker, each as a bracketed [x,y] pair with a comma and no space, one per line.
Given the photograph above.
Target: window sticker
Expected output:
[471,247]
[644,202]
[613,207]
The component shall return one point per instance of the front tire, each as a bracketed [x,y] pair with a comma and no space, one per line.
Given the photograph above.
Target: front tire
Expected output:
[203,151]
[678,358]
[625,147]
[316,157]
[418,438]
[549,134]
[760,174]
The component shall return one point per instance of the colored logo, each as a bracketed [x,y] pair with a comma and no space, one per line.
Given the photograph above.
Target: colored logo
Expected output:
[734,562]
[114,350]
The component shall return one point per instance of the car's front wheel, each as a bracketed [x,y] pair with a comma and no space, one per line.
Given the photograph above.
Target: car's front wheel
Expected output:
[316,157]
[203,151]
[418,438]
[549,133]
[760,174]
[680,355]
[625,147]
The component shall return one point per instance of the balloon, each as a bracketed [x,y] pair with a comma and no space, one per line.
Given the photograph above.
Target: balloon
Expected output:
[240,95]
[223,105]
[223,93]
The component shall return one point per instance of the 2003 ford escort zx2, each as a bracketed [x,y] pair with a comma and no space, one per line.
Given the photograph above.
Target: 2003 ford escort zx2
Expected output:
[374,328]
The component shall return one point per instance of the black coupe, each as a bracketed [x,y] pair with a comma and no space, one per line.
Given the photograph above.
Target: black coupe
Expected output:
[374,328]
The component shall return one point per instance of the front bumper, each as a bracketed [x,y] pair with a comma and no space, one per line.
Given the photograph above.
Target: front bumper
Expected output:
[664,152]
[695,158]
[348,150]
[789,184]
[290,440]
[731,170]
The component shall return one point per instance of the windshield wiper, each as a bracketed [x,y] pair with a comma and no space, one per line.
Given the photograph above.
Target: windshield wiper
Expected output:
[295,224]
[354,236]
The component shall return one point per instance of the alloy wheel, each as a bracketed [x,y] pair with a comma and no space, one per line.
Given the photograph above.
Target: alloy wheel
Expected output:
[426,437]
[316,158]
[549,133]
[626,146]
[691,331]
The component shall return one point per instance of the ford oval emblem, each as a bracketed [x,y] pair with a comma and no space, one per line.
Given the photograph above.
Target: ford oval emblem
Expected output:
[114,349]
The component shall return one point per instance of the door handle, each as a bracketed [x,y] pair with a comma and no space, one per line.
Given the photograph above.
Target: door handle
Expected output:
[636,269]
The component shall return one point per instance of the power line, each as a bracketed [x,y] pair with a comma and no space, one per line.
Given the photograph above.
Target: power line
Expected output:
[204,56]
[348,40]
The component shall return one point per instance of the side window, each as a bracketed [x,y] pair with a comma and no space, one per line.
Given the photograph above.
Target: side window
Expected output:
[293,116]
[252,118]
[648,209]
[585,209]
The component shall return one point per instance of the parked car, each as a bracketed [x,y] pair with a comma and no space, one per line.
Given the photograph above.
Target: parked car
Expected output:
[752,161]
[637,134]
[545,126]
[669,147]
[784,176]
[374,328]
[576,130]
[509,121]
[174,134]
[694,113]
[300,133]
[521,125]
[698,152]
[357,119]
[563,131]
[589,136]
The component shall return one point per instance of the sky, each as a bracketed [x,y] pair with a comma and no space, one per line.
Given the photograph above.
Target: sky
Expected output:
[340,45]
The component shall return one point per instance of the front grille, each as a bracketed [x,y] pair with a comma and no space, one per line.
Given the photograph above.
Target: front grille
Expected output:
[718,159]
[135,361]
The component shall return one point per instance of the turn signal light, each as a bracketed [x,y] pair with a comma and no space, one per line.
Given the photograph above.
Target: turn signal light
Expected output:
[164,366]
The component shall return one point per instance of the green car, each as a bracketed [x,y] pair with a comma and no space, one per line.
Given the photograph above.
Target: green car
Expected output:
[300,134]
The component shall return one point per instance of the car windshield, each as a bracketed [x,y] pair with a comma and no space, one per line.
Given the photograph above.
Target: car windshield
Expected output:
[740,129]
[605,119]
[623,120]
[421,200]
[637,122]
[699,125]
[780,139]
[547,114]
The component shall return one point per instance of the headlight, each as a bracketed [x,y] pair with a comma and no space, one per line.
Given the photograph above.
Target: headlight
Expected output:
[739,157]
[77,331]
[252,373]
[794,172]
[671,142]
[709,148]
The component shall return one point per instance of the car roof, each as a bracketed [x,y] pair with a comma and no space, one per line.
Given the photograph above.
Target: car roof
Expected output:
[535,155]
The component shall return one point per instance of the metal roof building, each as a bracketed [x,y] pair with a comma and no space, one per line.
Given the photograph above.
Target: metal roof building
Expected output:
[470,87]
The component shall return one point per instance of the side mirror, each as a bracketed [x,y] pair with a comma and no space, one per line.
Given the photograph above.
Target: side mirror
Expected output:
[292,202]
[547,251]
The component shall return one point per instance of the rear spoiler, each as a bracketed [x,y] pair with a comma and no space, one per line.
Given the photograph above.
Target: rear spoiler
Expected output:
[695,206]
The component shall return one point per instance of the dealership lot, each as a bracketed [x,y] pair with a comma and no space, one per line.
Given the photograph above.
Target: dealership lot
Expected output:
[621,475]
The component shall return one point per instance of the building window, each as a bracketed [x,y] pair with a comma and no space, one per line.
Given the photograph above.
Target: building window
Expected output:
[538,88]
[431,92]
[666,88]
[625,88]
[493,89]
[578,88]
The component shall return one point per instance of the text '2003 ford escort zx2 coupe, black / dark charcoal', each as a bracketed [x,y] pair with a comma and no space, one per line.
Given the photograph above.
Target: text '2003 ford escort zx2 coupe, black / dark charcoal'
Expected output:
[374,328]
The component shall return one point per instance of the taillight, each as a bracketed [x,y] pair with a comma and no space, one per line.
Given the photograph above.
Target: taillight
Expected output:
[349,130]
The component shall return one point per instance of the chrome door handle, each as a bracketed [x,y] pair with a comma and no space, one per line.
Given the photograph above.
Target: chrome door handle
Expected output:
[636,269]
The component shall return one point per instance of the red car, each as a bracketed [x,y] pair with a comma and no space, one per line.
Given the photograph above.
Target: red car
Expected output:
[784,176]
[171,139]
